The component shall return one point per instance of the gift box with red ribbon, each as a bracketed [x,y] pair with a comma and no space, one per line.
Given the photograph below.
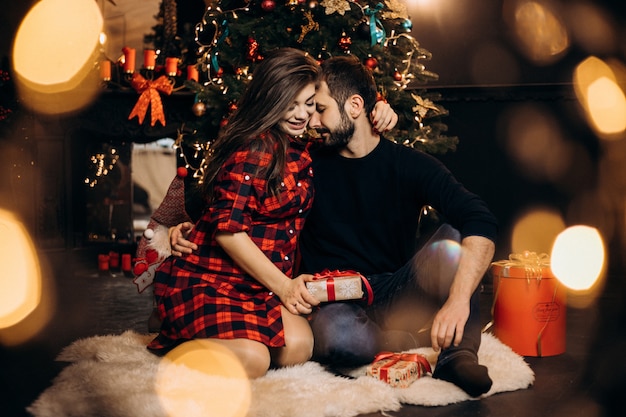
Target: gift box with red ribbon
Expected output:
[399,369]
[339,285]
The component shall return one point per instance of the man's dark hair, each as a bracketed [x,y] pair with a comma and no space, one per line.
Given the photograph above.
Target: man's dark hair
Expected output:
[345,76]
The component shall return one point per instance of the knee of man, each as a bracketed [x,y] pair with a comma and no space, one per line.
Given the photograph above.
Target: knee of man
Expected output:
[344,335]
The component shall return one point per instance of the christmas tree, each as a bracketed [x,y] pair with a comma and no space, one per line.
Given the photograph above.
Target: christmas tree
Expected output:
[234,35]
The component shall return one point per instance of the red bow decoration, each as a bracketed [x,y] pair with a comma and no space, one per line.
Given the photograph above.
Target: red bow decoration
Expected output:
[329,275]
[149,91]
[422,362]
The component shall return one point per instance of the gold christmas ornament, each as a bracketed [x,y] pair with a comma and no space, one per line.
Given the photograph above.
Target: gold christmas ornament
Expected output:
[310,26]
[395,9]
[339,6]
[423,106]
[198,109]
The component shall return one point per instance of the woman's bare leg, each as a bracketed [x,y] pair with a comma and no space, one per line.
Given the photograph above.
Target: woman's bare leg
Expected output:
[298,341]
[253,356]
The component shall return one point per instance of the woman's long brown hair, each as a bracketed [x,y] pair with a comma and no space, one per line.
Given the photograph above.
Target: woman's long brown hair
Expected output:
[277,81]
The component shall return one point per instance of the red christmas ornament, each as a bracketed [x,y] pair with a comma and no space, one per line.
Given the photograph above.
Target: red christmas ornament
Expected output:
[345,42]
[232,107]
[253,50]
[268,5]
[397,75]
[181,172]
[223,122]
[371,62]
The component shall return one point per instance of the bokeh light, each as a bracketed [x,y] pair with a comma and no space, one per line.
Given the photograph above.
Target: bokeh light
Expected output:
[27,298]
[535,142]
[592,28]
[220,385]
[578,262]
[601,96]
[536,230]
[541,35]
[595,207]
[54,54]
[20,288]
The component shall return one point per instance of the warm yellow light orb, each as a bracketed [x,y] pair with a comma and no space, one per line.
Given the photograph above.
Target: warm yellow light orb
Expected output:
[542,35]
[578,257]
[20,286]
[54,54]
[599,93]
[536,230]
[217,384]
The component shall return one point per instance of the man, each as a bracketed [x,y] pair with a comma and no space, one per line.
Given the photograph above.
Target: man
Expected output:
[369,193]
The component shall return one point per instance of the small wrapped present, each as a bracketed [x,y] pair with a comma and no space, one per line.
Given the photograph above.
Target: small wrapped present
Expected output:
[339,285]
[399,369]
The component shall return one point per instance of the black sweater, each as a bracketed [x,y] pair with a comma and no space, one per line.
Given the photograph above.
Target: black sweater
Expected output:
[365,212]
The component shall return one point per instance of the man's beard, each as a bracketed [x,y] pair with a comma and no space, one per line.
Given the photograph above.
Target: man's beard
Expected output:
[341,135]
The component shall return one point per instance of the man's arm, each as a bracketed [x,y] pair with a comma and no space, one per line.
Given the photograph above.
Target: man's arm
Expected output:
[476,255]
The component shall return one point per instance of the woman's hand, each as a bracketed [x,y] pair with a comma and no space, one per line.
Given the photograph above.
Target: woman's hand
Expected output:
[178,242]
[383,117]
[296,297]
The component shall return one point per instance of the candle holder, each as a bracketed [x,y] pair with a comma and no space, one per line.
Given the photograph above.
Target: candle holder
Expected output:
[120,75]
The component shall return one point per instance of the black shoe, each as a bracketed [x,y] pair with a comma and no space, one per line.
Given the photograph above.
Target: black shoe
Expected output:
[465,372]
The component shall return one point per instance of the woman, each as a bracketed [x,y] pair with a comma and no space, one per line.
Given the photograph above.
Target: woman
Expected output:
[236,286]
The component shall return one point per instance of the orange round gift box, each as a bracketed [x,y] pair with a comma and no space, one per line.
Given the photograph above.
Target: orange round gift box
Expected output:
[529,312]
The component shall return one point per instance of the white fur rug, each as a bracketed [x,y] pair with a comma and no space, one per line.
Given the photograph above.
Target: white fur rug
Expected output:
[115,376]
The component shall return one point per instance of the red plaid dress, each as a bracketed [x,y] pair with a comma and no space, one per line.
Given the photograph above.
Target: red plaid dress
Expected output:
[205,294]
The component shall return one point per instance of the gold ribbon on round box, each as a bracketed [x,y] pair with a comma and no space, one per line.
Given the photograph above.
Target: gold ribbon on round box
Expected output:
[533,265]
[398,369]
[529,305]
[340,285]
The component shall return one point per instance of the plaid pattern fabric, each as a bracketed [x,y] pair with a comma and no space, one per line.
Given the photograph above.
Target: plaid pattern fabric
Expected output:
[205,294]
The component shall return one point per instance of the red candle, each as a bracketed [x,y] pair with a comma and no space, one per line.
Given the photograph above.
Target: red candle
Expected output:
[129,59]
[105,70]
[126,262]
[149,59]
[114,260]
[192,73]
[103,262]
[171,66]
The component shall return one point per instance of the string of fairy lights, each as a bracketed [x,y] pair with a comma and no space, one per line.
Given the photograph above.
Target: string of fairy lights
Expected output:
[101,165]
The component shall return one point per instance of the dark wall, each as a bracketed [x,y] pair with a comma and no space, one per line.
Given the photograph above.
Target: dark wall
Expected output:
[483,164]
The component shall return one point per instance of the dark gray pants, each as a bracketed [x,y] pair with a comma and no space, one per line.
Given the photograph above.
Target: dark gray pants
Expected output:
[405,302]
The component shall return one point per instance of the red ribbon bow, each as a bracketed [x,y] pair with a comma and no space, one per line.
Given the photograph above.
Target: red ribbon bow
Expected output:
[422,362]
[329,275]
[150,97]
